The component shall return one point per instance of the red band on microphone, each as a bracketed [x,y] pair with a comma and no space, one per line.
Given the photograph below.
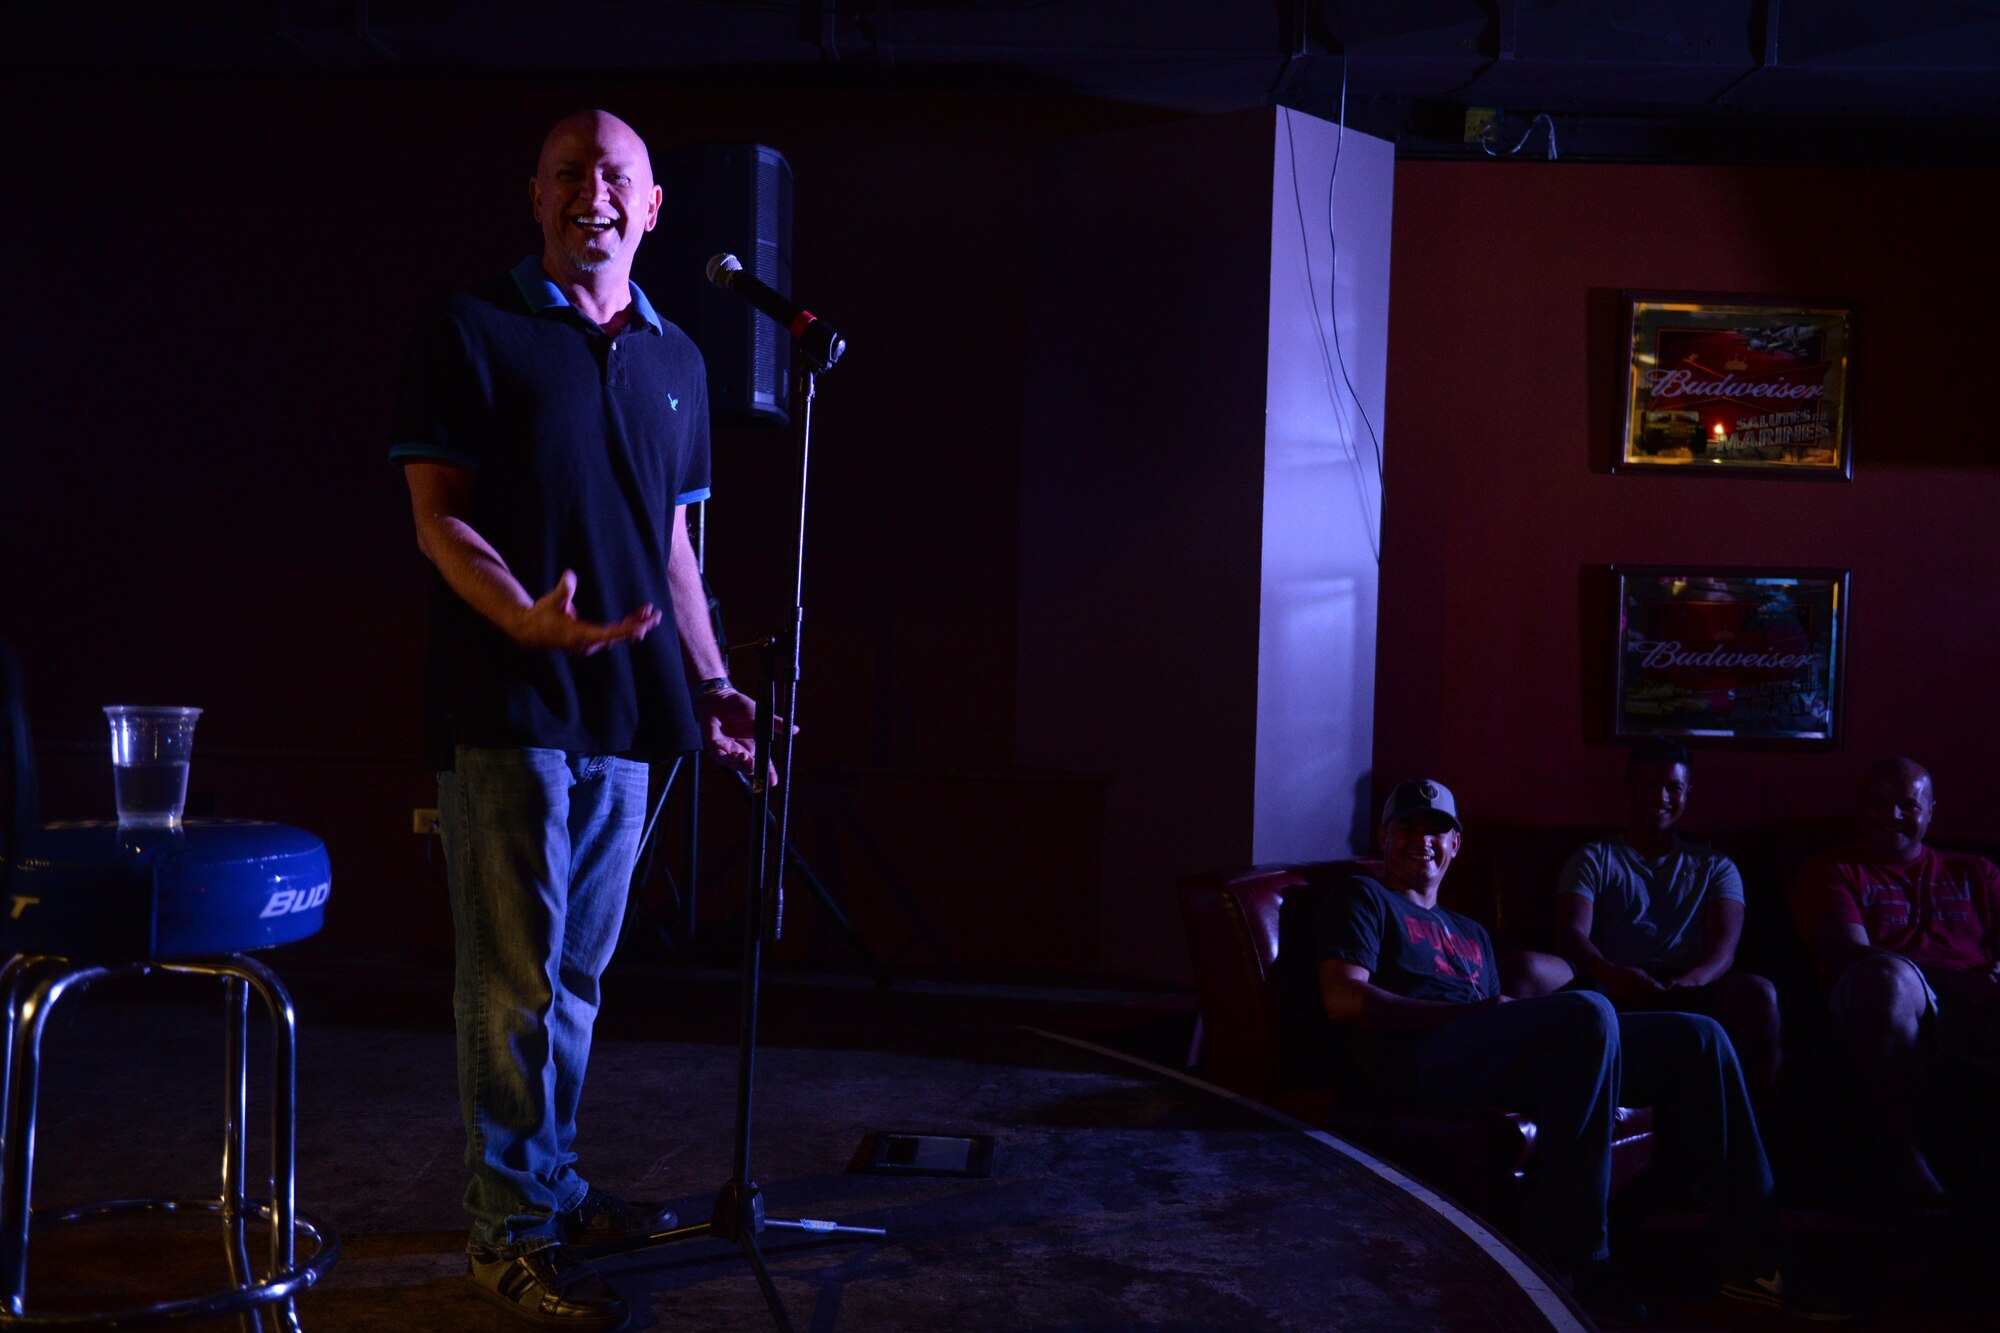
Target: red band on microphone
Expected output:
[799,325]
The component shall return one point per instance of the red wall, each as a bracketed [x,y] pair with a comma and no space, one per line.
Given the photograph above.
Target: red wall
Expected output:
[1503,398]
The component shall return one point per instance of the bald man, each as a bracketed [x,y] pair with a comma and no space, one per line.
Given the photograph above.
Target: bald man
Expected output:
[552,429]
[1908,939]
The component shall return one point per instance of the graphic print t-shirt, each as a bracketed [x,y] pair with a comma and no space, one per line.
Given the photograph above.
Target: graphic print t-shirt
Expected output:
[1420,953]
[1943,907]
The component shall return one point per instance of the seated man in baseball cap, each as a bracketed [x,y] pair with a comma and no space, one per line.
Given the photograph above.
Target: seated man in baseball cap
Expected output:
[1421,984]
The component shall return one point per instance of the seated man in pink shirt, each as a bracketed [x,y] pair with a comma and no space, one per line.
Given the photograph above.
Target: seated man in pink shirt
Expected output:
[1908,939]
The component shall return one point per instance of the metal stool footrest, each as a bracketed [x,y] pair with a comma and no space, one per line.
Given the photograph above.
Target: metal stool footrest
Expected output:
[30,987]
[279,1287]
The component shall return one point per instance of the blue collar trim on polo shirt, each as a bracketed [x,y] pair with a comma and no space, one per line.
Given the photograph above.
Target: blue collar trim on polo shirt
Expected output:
[542,294]
[643,310]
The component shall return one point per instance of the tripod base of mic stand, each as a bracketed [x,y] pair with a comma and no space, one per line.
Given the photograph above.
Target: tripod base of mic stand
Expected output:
[738,1217]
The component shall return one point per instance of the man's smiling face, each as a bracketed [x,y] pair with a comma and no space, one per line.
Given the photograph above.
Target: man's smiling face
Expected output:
[1417,849]
[1896,808]
[1656,794]
[594,196]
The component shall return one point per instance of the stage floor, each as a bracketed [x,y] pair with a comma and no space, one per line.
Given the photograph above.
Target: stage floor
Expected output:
[1120,1197]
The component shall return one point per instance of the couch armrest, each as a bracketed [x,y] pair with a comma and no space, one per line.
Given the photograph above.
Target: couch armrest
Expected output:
[1232,939]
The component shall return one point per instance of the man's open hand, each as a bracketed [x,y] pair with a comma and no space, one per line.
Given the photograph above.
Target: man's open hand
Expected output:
[729,732]
[552,623]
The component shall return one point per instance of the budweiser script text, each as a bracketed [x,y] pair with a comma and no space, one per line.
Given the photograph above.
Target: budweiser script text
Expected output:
[1669,653]
[1681,382]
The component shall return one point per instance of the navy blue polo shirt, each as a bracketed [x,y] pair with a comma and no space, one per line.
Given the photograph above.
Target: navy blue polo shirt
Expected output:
[581,446]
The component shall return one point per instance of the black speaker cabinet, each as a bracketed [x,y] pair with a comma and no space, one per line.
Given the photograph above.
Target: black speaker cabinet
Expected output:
[735,198]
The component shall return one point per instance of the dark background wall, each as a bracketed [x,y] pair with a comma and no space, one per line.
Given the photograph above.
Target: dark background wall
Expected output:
[216,277]
[213,277]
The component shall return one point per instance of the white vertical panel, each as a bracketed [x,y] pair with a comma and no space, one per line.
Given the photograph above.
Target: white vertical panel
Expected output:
[1328,335]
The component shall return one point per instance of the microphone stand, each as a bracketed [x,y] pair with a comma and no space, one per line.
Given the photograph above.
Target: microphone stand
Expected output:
[680,930]
[738,1214]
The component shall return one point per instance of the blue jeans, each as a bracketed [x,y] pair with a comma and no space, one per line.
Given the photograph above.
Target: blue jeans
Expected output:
[1569,1060]
[539,847]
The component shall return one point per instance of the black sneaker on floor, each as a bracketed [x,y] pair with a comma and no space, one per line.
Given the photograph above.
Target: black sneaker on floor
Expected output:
[603,1217]
[1765,1289]
[550,1287]
[1771,1290]
[1600,1289]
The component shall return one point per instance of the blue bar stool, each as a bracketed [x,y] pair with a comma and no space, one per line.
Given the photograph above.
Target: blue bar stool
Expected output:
[84,901]
[87,903]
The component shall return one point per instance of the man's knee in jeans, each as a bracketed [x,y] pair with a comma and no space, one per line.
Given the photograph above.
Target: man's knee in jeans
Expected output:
[1676,1041]
[1586,1011]
[1566,1077]
[1699,1030]
[1581,1024]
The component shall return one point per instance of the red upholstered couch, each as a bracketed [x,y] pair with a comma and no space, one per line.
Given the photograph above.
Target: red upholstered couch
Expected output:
[1250,935]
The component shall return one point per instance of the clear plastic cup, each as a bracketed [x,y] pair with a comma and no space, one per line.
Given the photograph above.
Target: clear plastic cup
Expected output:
[150,748]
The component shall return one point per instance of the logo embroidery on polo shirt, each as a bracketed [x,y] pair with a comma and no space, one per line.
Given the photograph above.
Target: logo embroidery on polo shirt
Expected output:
[673,402]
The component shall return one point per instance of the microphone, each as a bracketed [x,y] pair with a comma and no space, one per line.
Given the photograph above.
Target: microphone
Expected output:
[815,336]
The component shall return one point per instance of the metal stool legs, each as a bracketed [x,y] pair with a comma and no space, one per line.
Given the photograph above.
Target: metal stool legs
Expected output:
[32,986]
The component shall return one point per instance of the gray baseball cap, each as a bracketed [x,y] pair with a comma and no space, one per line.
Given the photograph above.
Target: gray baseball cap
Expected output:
[1418,795]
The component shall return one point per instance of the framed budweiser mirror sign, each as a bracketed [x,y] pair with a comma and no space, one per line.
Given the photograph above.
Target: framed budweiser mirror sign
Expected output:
[1737,654]
[1736,386]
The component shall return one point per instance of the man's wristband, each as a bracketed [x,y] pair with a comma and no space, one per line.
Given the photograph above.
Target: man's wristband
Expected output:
[715,685]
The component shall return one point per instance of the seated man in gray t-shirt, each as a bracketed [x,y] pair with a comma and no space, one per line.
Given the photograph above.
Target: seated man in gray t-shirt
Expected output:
[1652,919]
